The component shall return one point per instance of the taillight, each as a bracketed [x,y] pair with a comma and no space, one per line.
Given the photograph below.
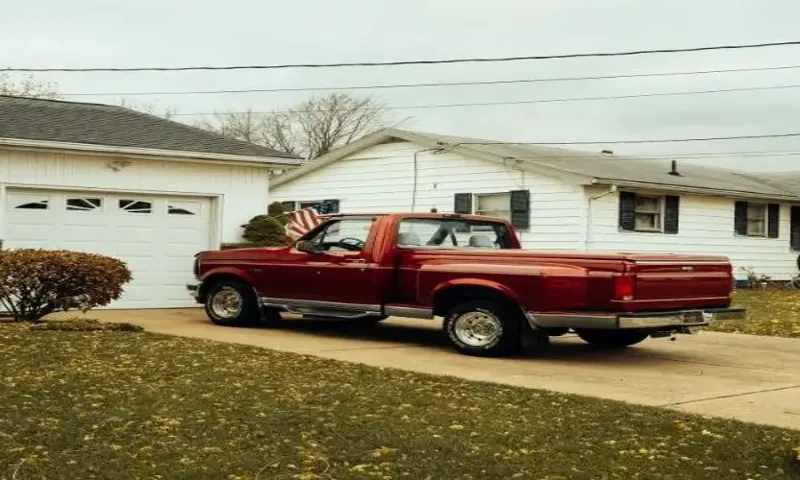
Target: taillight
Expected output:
[196,267]
[624,287]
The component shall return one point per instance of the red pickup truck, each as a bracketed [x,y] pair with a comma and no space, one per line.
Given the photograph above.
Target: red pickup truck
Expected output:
[494,296]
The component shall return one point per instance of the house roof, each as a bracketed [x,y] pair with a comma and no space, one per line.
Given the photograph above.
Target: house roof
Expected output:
[580,167]
[54,121]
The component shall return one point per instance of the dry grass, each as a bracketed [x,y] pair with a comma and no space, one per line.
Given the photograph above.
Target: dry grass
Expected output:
[136,405]
[771,312]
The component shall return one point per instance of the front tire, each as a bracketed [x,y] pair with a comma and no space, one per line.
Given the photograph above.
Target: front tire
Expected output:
[613,338]
[484,328]
[232,303]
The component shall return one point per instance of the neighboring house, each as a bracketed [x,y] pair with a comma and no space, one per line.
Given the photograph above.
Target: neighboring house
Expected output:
[561,199]
[114,181]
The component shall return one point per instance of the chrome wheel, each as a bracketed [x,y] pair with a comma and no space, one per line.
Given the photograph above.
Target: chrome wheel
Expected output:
[226,303]
[478,329]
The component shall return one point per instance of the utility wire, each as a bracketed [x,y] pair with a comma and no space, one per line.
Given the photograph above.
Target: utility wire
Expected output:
[432,84]
[407,62]
[668,140]
[524,102]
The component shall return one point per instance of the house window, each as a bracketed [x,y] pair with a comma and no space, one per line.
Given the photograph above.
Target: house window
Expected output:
[756,220]
[649,213]
[323,207]
[753,219]
[84,204]
[494,205]
[514,206]
[135,206]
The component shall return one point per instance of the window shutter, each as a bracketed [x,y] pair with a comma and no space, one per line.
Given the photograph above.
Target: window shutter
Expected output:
[521,209]
[740,218]
[288,206]
[627,211]
[463,203]
[331,206]
[773,220]
[795,230]
[672,207]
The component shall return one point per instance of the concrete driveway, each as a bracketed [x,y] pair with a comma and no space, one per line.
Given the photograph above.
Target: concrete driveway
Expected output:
[754,379]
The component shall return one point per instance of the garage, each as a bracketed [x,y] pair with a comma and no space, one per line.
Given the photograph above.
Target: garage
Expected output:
[110,180]
[157,236]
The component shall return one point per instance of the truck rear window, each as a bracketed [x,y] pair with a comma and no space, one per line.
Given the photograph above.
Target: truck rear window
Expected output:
[452,233]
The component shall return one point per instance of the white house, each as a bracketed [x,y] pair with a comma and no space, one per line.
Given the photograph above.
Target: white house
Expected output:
[109,180]
[562,199]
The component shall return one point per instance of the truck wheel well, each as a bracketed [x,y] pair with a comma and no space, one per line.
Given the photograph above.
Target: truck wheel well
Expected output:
[211,280]
[449,298]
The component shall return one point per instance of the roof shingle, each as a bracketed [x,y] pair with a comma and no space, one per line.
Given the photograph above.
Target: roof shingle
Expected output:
[114,126]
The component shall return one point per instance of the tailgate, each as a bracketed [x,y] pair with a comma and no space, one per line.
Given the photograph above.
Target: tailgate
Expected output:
[703,281]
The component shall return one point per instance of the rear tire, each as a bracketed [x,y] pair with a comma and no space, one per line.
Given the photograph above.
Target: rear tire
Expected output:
[232,303]
[484,328]
[613,338]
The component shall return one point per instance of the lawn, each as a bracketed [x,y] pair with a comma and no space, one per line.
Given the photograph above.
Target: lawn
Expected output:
[137,405]
[772,312]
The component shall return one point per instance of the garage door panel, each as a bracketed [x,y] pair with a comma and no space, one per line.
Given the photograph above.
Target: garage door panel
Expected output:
[157,242]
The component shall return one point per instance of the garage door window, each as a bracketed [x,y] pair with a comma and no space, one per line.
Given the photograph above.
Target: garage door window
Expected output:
[84,204]
[29,202]
[135,206]
[183,208]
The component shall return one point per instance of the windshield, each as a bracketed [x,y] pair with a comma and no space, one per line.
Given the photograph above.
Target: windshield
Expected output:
[452,233]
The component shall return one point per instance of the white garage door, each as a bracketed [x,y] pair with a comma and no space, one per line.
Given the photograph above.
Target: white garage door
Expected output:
[156,235]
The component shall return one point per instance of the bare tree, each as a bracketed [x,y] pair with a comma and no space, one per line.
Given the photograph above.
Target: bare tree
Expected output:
[28,86]
[310,129]
[150,108]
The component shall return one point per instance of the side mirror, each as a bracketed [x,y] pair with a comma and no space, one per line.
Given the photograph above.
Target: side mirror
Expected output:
[306,247]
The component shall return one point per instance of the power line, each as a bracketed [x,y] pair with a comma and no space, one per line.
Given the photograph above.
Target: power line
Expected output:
[434,84]
[407,62]
[668,140]
[528,102]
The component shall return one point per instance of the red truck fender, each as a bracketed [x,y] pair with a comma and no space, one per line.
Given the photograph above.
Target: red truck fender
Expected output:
[225,272]
[478,283]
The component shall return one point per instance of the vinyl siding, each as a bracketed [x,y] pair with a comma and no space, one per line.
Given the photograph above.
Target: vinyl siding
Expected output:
[381,179]
[706,227]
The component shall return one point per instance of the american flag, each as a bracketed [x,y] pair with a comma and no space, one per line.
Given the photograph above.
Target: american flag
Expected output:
[301,222]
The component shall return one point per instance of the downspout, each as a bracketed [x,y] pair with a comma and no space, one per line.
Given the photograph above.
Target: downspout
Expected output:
[587,238]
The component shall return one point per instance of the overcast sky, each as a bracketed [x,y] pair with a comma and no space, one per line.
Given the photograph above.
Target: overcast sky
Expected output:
[109,33]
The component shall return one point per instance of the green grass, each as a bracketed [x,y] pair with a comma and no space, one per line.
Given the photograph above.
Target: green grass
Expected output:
[772,312]
[137,405]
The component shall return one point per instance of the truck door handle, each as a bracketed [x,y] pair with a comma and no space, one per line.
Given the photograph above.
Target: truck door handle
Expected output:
[357,260]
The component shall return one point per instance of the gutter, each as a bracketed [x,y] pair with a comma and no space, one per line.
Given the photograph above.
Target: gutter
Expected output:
[149,152]
[695,190]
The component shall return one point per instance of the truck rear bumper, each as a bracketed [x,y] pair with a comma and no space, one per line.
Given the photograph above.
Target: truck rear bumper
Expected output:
[643,320]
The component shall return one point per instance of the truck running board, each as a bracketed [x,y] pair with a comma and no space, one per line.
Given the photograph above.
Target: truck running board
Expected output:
[348,311]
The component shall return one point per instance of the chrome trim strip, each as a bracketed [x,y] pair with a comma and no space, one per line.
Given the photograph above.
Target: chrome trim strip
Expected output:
[408,312]
[682,318]
[677,262]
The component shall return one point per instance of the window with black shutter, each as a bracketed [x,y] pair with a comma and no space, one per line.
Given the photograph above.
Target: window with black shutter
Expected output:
[773,220]
[649,213]
[794,236]
[752,219]
[672,212]
[520,209]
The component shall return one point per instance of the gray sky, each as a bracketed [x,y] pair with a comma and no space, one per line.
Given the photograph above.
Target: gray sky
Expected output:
[97,33]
